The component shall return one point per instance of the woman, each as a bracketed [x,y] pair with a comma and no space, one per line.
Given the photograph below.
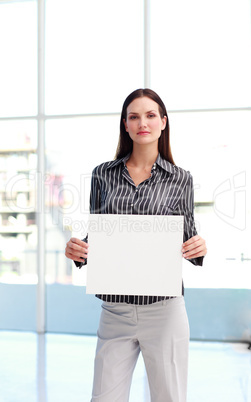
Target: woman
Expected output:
[142,179]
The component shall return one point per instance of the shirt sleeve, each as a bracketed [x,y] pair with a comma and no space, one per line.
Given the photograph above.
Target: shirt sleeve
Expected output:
[94,207]
[189,223]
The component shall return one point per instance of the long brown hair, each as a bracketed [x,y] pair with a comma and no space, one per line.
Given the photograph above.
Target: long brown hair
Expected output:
[125,143]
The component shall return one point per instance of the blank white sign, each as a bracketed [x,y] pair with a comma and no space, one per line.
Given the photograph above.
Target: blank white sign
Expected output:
[135,255]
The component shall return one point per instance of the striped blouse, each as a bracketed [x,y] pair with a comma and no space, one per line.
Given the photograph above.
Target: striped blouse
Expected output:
[168,191]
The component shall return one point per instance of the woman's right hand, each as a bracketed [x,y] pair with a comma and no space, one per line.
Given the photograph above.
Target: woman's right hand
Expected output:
[75,249]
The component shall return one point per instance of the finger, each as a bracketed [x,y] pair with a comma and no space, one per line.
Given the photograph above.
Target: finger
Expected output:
[77,241]
[83,246]
[196,252]
[192,243]
[195,248]
[76,250]
[191,240]
[195,256]
[74,257]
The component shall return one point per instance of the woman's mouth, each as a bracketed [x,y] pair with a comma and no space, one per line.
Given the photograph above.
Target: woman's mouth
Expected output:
[143,133]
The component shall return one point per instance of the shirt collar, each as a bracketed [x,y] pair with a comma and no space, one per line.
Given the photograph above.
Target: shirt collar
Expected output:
[116,162]
[163,163]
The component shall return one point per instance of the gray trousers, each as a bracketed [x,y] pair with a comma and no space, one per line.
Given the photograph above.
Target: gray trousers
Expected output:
[160,331]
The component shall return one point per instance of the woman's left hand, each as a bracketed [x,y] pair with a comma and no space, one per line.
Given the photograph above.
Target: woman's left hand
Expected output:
[194,247]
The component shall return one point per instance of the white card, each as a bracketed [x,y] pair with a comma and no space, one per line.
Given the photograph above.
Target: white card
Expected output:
[135,255]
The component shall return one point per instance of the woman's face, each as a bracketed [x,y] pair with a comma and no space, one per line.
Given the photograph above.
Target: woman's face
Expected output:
[143,122]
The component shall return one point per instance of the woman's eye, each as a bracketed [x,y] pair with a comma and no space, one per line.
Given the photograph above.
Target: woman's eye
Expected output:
[151,115]
[133,117]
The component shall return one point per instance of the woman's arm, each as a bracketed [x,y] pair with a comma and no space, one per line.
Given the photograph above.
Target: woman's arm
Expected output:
[76,249]
[194,247]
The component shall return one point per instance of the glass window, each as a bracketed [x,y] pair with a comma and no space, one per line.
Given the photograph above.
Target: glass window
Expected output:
[18,53]
[201,53]
[94,54]
[214,146]
[203,143]
[73,148]
[18,230]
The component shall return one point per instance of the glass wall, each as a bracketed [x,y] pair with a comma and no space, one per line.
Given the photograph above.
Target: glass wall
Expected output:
[93,60]
[200,63]
[90,67]
[74,146]
[18,164]
[214,146]
[201,56]
[18,67]
[94,57]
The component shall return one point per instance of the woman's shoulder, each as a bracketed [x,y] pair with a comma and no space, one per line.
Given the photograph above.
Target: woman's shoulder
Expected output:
[181,172]
[183,176]
[170,168]
[102,167]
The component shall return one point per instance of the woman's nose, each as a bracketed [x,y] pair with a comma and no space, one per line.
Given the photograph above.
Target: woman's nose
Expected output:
[142,122]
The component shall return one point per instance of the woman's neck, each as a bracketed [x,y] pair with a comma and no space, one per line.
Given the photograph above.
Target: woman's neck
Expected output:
[143,157]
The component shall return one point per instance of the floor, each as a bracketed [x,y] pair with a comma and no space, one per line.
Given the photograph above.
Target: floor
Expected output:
[59,368]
